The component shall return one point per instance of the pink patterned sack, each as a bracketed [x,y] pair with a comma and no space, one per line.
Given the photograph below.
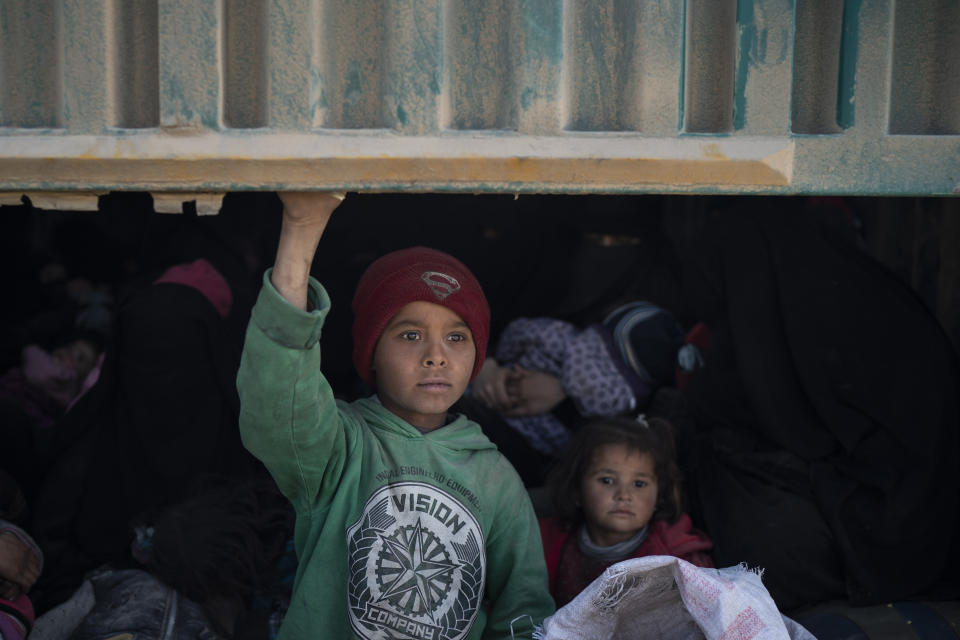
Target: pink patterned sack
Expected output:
[670,599]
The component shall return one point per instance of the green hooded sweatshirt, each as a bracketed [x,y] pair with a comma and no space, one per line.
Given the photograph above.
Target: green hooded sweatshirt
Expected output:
[399,534]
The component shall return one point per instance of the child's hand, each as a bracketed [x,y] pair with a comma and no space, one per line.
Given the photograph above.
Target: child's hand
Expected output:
[533,392]
[490,386]
[19,566]
[305,216]
[309,207]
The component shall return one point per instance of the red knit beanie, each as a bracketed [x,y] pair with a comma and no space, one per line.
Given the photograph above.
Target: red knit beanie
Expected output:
[411,275]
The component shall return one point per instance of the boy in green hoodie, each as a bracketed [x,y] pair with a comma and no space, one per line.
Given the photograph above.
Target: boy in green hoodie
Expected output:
[410,523]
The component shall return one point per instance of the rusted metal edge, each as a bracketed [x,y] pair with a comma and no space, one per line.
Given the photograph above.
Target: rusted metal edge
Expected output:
[56,200]
[221,162]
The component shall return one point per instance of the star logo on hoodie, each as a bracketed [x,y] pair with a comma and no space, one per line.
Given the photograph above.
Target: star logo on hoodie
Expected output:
[417,564]
[415,570]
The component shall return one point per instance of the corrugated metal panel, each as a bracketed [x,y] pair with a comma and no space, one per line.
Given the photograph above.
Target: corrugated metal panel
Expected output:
[702,96]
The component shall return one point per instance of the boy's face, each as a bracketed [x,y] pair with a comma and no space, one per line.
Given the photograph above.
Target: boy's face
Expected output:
[423,362]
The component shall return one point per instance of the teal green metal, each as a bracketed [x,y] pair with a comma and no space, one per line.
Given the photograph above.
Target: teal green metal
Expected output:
[848,63]
[527,96]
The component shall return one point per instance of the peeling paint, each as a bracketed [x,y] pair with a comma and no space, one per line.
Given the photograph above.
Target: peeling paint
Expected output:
[318,93]
[713,152]
[747,32]
[761,44]
[353,91]
[526,98]
[540,21]
[849,50]
[546,95]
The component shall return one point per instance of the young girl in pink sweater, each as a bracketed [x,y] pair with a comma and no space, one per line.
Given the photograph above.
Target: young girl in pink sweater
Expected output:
[616,496]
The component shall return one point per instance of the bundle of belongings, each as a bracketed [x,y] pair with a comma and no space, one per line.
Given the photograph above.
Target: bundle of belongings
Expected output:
[606,369]
[670,599]
[126,603]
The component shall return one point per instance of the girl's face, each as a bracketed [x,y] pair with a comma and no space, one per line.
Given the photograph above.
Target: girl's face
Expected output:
[618,493]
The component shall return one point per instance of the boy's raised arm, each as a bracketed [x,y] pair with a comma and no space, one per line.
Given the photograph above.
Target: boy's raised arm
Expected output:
[305,216]
[288,415]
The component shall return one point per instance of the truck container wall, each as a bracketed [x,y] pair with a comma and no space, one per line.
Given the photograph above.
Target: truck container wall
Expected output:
[534,96]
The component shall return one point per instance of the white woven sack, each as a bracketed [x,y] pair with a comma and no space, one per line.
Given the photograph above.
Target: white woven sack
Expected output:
[667,598]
